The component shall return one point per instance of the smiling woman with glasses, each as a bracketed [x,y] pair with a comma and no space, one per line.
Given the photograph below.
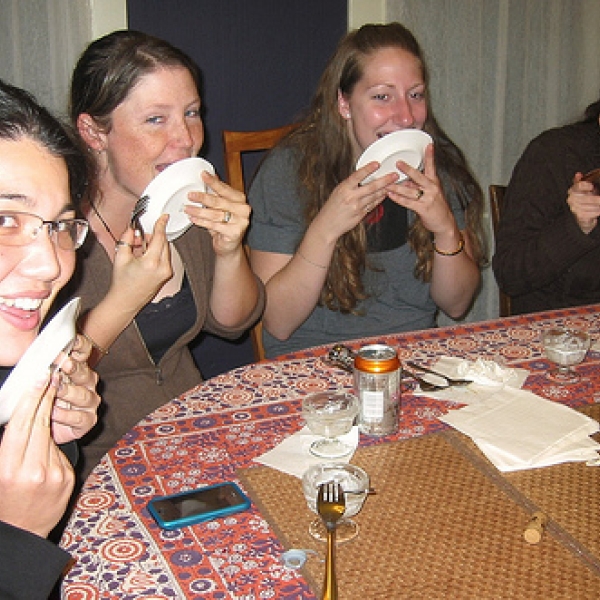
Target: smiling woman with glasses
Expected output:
[42,179]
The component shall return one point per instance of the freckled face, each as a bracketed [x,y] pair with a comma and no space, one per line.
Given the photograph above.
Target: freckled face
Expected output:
[31,180]
[390,96]
[157,124]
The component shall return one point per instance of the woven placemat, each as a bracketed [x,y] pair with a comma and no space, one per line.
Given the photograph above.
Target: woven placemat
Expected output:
[569,495]
[438,527]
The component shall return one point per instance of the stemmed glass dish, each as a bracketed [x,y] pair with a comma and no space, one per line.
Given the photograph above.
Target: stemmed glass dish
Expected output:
[565,347]
[330,414]
[355,484]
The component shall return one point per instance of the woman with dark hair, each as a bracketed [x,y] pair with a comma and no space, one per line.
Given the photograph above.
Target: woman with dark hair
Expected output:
[548,243]
[136,104]
[42,177]
[343,260]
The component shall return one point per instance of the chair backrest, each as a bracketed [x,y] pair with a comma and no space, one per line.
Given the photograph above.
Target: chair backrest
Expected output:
[496,201]
[235,144]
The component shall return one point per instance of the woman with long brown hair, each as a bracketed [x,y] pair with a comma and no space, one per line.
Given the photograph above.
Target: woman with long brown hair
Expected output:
[342,259]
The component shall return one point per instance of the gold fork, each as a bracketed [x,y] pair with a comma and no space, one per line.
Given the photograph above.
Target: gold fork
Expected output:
[331,505]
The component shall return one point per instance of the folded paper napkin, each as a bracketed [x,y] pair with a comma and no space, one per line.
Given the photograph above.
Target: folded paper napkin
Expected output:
[488,377]
[293,456]
[517,430]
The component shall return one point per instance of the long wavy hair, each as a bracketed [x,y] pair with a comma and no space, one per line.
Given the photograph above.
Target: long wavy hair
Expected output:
[326,159]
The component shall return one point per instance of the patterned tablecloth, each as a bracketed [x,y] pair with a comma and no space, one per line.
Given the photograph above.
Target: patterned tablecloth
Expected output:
[206,434]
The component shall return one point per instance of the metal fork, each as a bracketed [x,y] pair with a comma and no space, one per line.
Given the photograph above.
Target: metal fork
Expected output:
[138,210]
[451,380]
[426,386]
[331,505]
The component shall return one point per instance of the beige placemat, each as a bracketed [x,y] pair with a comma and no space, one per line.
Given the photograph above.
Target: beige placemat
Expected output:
[438,527]
[568,494]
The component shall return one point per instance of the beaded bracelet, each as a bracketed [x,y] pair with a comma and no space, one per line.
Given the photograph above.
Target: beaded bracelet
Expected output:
[100,349]
[461,245]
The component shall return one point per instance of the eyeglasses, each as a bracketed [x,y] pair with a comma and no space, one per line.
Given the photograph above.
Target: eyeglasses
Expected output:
[20,229]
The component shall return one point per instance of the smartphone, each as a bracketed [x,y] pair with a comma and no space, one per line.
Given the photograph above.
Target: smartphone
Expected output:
[194,506]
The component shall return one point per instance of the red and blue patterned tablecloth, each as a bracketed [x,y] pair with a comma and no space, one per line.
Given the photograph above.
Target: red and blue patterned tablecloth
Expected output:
[223,424]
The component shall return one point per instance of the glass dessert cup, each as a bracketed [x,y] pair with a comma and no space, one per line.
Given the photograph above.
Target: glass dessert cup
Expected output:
[565,348]
[354,482]
[330,414]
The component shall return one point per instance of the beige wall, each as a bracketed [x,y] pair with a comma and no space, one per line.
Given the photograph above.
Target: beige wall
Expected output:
[366,11]
[107,15]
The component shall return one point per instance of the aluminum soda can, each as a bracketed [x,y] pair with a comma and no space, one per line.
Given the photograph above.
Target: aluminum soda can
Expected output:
[377,384]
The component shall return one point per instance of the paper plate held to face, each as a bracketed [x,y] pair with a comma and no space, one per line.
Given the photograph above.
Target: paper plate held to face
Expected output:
[168,194]
[407,145]
[58,335]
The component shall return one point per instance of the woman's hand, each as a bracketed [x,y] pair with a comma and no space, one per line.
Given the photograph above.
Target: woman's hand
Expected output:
[36,478]
[584,203]
[137,278]
[350,201]
[75,409]
[423,194]
[224,212]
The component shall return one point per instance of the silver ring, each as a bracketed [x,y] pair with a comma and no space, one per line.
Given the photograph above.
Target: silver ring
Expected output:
[226,216]
[419,194]
[122,243]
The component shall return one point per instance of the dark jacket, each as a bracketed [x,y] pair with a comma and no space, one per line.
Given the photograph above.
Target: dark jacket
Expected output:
[543,260]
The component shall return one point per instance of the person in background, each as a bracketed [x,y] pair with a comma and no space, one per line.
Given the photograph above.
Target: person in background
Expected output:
[42,174]
[342,260]
[136,104]
[548,242]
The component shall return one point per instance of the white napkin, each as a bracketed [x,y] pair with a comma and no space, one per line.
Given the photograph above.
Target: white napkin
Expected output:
[488,377]
[293,456]
[517,430]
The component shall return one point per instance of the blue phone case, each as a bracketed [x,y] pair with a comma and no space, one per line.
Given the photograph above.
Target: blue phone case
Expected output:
[195,506]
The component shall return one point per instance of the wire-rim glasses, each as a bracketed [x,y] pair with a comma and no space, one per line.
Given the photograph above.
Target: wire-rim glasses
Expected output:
[21,228]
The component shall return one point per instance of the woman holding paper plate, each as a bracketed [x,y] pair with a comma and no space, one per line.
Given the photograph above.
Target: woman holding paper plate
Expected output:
[346,251]
[136,104]
[43,414]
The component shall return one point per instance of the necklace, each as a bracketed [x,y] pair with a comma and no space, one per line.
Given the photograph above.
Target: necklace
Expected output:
[97,212]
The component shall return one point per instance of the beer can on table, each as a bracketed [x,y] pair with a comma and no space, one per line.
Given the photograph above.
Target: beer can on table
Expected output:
[377,383]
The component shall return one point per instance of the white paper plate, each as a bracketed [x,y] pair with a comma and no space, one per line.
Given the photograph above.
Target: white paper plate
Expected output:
[407,145]
[168,194]
[57,335]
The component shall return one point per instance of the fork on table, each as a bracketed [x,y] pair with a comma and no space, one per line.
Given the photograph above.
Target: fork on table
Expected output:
[331,504]
[451,380]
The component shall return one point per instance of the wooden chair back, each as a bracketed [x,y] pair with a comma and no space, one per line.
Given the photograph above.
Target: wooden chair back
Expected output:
[235,145]
[496,193]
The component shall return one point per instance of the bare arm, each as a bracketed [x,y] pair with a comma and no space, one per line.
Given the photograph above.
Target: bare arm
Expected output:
[455,278]
[225,213]
[294,283]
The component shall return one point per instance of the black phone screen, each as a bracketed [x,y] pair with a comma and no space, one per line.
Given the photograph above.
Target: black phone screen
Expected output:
[198,502]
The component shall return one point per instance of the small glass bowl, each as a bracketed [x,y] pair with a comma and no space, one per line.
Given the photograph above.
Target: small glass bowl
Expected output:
[330,414]
[355,483]
[565,348]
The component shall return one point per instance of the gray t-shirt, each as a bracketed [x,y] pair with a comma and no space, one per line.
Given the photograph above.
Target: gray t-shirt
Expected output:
[397,301]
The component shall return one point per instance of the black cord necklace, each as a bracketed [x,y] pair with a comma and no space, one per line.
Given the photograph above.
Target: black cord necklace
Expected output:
[112,235]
